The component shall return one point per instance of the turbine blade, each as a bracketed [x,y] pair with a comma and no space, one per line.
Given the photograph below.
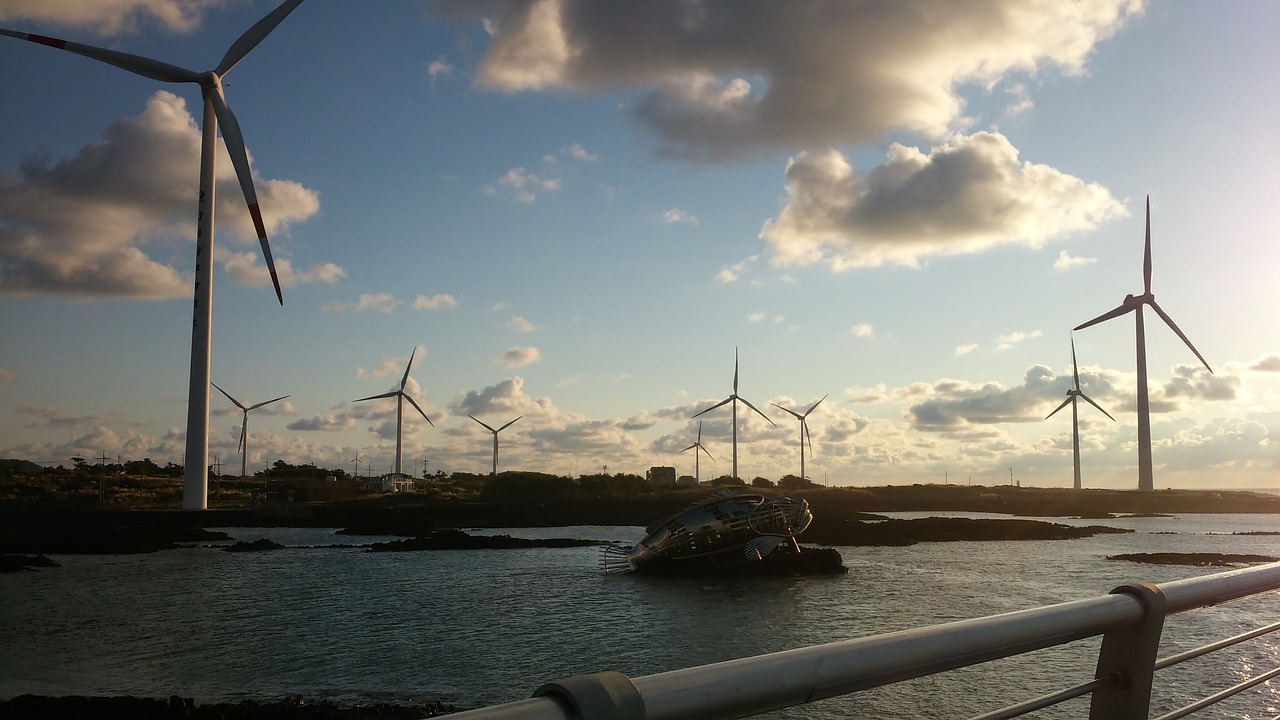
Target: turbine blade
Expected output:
[486,426]
[415,406]
[753,407]
[735,370]
[699,431]
[254,35]
[224,392]
[393,393]
[146,67]
[708,452]
[244,430]
[1064,404]
[815,405]
[1169,321]
[1146,254]
[1106,316]
[1075,369]
[713,407]
[1091,402]
[255,407]
[405,379]
[234,141]
[690,448]
[504,427]
[793,413]
[808,436]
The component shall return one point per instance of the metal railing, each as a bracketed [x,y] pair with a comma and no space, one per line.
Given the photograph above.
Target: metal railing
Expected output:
[1130,620]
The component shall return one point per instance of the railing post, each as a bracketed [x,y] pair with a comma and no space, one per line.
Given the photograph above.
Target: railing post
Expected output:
[1128,657]
[598,696]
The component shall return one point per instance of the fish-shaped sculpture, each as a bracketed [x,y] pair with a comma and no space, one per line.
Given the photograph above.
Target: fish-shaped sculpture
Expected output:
[726,529]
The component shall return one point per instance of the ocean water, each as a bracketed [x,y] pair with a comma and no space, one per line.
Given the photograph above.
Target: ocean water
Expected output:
[481,627]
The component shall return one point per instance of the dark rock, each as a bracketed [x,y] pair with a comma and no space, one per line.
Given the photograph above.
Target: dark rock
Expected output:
[258,545]
[22,563]
[451,539]
[1194,559]
[900,532]
[38,707]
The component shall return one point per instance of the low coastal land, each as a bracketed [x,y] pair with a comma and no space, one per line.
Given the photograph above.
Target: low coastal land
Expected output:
[33,527]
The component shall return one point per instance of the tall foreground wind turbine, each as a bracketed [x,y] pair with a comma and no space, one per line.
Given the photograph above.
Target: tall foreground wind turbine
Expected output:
[243,447]
[400,395]
[804,429]
[733,398]
[195,489]
[1073,393]
[1134,304]
[494,472]
[696,447]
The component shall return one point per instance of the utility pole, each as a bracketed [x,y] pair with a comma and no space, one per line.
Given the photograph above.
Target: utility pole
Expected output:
[102,477]
[1010,476]
[217,472]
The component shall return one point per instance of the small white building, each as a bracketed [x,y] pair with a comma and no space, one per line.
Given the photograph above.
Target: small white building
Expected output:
[389,483]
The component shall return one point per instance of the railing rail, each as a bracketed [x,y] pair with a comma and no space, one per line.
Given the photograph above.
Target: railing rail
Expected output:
[1130,620]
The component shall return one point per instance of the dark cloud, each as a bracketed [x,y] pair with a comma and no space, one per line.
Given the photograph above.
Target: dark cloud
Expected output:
[728,77]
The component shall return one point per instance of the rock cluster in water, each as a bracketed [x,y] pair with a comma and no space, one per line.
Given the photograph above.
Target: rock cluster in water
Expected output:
[1194,559]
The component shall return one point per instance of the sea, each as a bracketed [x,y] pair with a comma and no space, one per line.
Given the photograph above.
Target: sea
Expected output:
[326,620]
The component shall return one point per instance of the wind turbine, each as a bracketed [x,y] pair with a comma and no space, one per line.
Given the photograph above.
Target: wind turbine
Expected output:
[1134,304]
[804,429]
[733,398]
[195,490]
[494,472]
[697,475]
[1073,393]
[243,447]
[400,396]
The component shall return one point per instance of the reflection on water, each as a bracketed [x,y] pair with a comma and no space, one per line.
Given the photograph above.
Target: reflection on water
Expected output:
[487,626]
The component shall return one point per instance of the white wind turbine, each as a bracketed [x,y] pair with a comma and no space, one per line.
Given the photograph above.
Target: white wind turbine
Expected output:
[804,429]
[695,447]
[400,395]
[1146,481]
[243,447]
[1072,394]
[195,489]
[494,472]
[734,398]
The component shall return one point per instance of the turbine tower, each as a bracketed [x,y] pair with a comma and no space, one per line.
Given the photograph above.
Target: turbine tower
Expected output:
[734,398]
[494,472]
[400,395]
[195,488]
[1134,304]
[804,429]
[243,447]
[1072,394]
[697,475]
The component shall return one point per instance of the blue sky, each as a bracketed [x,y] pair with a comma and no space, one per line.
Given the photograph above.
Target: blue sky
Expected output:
[577,211]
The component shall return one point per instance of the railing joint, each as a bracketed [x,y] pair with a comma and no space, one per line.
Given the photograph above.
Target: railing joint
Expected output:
[597,696]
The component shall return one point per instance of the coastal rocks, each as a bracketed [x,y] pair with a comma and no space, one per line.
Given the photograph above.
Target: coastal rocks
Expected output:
[452,539]
[1194,559]
[258,545]
[38,707]
[23,563]
[939,529]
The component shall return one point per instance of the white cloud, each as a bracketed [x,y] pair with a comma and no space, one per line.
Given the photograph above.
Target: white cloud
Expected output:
[439,68]
[442,301]
[862,330]
[578,152]
[1004,342]
[110,18]
[677,216]
[103,222]
[392,365]
[1066,262]
[755,317]
[966,348]
[523,185]
[519,324]
[519,357]
[967,196]
[734,272]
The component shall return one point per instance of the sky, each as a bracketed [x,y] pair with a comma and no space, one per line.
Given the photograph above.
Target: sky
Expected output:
[577,213]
